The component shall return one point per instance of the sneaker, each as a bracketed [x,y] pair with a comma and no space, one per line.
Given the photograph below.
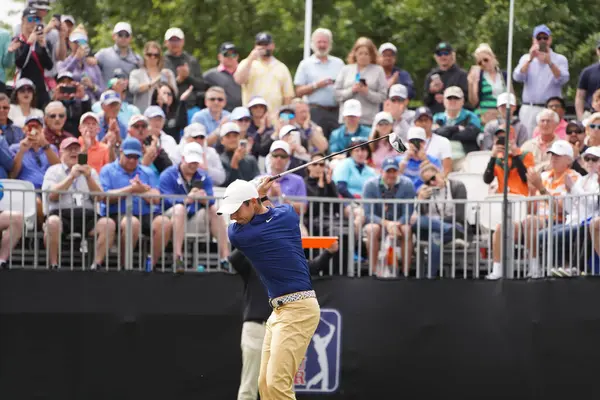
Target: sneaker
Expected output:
[54,266]
[95,267]
[179,267]
[534,273]
[493,276]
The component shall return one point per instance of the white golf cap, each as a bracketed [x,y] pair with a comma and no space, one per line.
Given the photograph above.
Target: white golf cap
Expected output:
[174,32]
[137,118]
[192,153]
[593,150]
[122,26]
[561,148]
[229,127]
[505,99]
[416,132]
[398,90]
[257,101]
[89,115]
[352,108]
[280,145]
[69,18]
[236,193]
[194,130]
[285,130]
[453,91]
[387,46]
[383,116]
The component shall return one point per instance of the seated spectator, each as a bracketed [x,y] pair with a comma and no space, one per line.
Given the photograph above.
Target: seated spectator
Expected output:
[174,109]
[74,212]
[341,137]
[156,122]
[24,102]
[196,133]
[222,75]
[489,131]
[98,154]
[351,174]
[576,136]
[241,116]
[410,162]
[397,106]
[8,130]
[73,98]
[119,84]
[547,120]
[127,177]
[238,164]
[391,219]
[381,149]
[195,214]
[592,129]
[319,184]
[292,136]
[214,115]
[287,116]
[155,157]
[12,225]
[435,219]
[55,118]
[317,142]
[393,74]
[551,182]
[261,128]
[111,127]
[436,146]
[558,105]
[458,125]
[519,163]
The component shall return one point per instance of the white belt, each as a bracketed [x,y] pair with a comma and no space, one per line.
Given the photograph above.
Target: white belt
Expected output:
[292,297]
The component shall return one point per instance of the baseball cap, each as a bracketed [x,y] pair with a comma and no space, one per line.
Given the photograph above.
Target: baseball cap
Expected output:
[229,127]
[575,124]
[77,35]
[174,32]
[109,97]
[132,146]
[24,82]
[137,118]
[419,112]
[593,150]
[263,38]
[89,114]
[194,130]
[236,193]
[29,12]
[256,101]
[239,113]
[67,18]
[561,148]
[416,132]
[192,153]
[119,73]
[390,163]
[63,75]
[398,90]
[122,26]
[383,116]
[41,5]
[387,46]
[443,46]
[286,129]
[352,108]
[225,47]
[453,91]
[541,29]
[505,99]
[280,145]
[40,120]
[154,111]
[68,142]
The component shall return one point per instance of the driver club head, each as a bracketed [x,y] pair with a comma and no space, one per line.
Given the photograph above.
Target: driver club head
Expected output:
[396,143]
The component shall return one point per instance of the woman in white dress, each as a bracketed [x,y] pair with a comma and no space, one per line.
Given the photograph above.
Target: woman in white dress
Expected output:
[23,100]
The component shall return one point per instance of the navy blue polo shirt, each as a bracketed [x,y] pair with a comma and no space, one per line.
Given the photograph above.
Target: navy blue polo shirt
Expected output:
[113,176]
[589,80]
[273,244]
[173,182]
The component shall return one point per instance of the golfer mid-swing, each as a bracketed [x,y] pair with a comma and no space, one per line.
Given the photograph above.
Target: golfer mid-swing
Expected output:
[270,237]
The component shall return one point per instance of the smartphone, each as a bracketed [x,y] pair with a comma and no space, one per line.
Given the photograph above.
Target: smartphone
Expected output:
[197,184]
[243,143]
[543,47]
[363,81]
[82,159]
[68,89]
[501,141]
[39,28]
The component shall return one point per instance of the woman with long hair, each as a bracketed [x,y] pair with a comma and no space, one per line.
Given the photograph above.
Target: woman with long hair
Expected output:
[382,149]
[23,101]
[174,108]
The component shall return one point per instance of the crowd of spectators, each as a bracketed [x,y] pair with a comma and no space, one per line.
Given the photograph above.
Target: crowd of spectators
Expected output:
[155,124]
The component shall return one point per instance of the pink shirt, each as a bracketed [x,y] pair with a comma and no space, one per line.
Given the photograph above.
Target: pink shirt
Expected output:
[222,68]
[382,152]
[560,131]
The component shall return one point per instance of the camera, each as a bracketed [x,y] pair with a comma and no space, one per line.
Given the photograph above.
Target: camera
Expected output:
[68,89]
[243,143]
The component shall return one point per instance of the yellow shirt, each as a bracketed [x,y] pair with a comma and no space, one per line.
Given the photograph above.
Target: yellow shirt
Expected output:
[270,80]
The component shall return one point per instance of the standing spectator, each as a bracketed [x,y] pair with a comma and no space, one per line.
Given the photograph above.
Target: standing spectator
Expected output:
[446,74]
[362,79]
[98,154]
[8,46]
[576,136]
[238,164]
[397,106]
[547,121]
[394,75]
[156,122]
[120,56]
[214,115]
[186,69]
[313,133]
[261,74]
[8,130]
[119,84]
[382,149]
[33,56]
[503,101]
[196,133]
[543,73]
[144,80]
[342,136]
[315,77]
[410,162]
[436,145]
[55,117]
[589,83]
[222,75]
[24,102]
[558,105]
[73,98]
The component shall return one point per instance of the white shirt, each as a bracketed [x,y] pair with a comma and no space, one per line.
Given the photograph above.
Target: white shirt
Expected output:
[586,206]
[16,114]
[58,173]
[439,147]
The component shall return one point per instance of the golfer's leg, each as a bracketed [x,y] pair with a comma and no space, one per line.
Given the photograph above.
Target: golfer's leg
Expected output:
[253,335]
[264,360]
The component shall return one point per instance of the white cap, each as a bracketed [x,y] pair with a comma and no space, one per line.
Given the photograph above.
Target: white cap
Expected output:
[90,115]
[229,127]
[174,32]
[593,150]
[137,118]
[256,101]
[65,18]
[398,90]
[453,91]
[192,152]
[561,148]
[194,129]
[280,145]
[236,193]
[387,46]
[286,129]
[352,108]
[416,132]
[506,98]
[383,116]
[122,26]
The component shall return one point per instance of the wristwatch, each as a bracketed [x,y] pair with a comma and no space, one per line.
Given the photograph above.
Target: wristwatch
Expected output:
[263,199]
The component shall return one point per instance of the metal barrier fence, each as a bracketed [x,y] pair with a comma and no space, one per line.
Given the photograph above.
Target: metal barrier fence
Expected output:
[552,236]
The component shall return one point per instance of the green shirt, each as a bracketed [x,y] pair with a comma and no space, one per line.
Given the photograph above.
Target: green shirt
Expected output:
[7,59]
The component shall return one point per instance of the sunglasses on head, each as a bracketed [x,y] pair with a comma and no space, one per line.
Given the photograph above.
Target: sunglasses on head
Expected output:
[123,34]
[594,126]
[442,53]
[55,116]
[219,99]
[590,159]
[541,38]
[153,55]
[574,132]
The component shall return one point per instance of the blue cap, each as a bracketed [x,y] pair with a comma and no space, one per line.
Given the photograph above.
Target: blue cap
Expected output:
[132,146]
[239,113]
[154,111]
[423,111]
[109,97]
[40,120]
[541,29]
[390,162]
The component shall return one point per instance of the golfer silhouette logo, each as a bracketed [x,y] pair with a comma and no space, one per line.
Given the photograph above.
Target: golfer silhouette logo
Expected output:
[320,369]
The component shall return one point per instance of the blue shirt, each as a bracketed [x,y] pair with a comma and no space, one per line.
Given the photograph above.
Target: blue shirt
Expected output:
[173,182]
[589,80]
[125,112]
[273,244]
[539,83]
[376,189]
[104,129]
[347,171]
[203,117]
[412,170]
[113,176]
[33,165]
[12,133]
[312,70]
[405,79]
[340,138]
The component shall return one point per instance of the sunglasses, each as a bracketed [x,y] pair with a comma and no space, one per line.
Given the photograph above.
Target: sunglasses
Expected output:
[56,116]
[123,34]
[321,164]
[153,55]
[231,55]
[591,159]
[575,132]
[140,126]
[219,99]
[431,180]
[541,38]
[483,61]
[594,126]
[397,100]
[442,53]
[33,19]
[132,156]
[284,156]
[38,160]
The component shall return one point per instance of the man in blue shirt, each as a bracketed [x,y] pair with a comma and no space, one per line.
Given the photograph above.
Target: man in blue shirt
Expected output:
[213,116]
[411,161]
[126,176]
[111,128]
[270,238]
[391,219]
[188,179]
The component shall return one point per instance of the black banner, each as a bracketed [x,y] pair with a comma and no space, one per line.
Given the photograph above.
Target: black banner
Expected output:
[83,335]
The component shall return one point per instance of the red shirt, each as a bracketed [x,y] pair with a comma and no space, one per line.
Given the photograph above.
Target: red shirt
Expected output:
[54,138]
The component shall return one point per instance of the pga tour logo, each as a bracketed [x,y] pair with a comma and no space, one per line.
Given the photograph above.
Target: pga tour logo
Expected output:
[319,371]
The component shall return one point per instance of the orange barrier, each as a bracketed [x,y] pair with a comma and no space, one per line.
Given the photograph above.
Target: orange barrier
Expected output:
[318,242]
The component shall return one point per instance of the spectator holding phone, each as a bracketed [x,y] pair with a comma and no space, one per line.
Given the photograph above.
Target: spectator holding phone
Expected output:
[98,153]
[156,122]
[446,74]
[119,84]
[410,162]
[74,99]
[236,160]
[319,184]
